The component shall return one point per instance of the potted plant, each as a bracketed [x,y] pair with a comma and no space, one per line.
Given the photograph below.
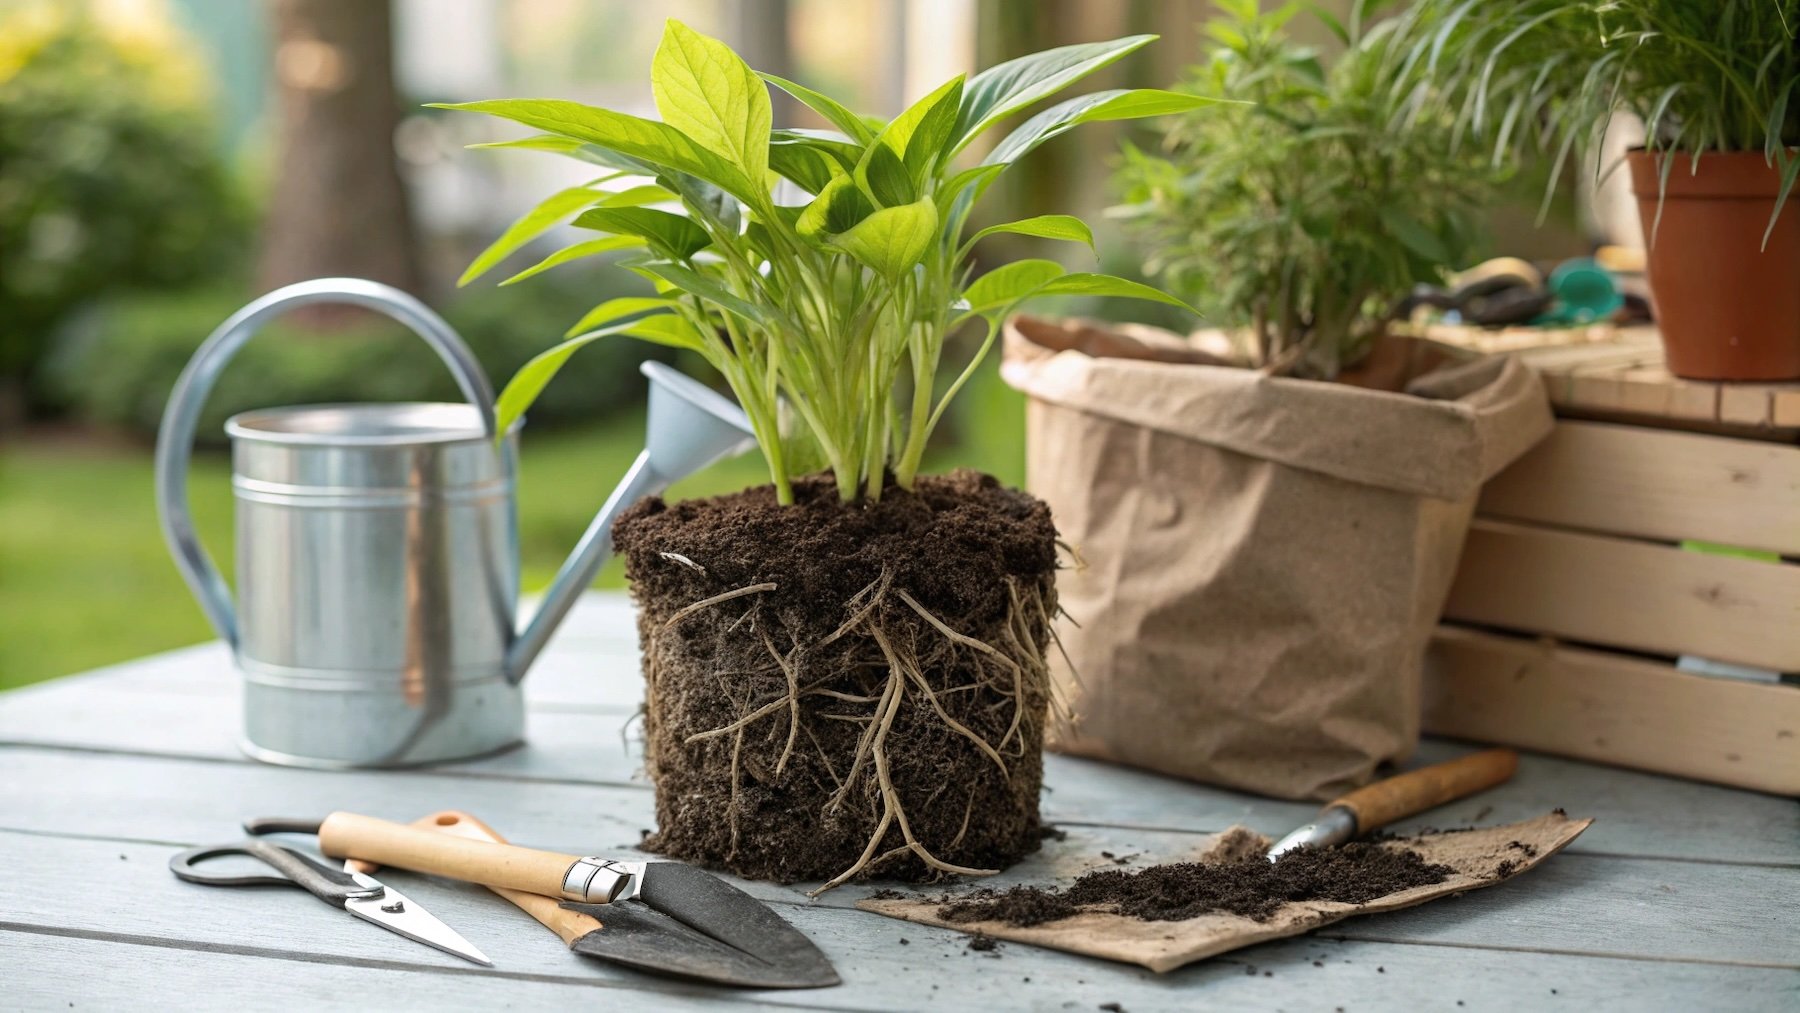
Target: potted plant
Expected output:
[1271,513]
[1715,86]
[844,671]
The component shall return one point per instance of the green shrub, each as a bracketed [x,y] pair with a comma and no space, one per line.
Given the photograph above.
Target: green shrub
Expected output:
[117,363]
[109,176]
[1302,218]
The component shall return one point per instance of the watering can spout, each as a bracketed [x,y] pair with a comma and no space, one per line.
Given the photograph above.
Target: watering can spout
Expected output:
[690,427]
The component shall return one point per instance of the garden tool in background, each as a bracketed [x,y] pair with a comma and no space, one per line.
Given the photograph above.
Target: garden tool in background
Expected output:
[1507,291]
[665,918]
[377,548]
[1494,293]
[1368,809]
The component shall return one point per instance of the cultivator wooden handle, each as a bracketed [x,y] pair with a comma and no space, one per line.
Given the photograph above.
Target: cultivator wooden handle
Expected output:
[1415,791]
[571,877]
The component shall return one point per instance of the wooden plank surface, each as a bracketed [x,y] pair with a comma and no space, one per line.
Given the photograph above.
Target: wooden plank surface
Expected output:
[1625,593]
[111,772]
[577,742]
[1621,372]
[1600,706]
[1652,483]
[1382,976]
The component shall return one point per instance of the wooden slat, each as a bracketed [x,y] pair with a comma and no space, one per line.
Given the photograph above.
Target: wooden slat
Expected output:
[570,752]
[1653,483]
[1613,709]
[118,971]
[1614,591]
[1686,911]
[100,973]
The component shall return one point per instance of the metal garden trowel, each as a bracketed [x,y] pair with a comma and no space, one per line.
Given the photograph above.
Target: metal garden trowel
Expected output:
[662,917]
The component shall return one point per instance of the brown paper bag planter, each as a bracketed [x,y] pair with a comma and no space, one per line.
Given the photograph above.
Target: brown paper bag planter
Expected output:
[1263,558]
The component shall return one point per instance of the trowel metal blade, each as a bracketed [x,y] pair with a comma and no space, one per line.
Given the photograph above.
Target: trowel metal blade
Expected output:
[638,936]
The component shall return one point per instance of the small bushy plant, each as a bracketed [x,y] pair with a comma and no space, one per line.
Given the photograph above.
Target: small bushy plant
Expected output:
[1300,219]
[837,304]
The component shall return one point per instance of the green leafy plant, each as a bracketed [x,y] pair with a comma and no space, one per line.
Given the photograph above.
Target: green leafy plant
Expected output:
[1300,220]
[1547,76]
[836,305]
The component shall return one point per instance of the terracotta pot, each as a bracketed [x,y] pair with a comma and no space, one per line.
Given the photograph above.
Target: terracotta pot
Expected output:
[1728,307]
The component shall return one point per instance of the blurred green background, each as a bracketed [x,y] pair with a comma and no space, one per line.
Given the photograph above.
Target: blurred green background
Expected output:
[162,162]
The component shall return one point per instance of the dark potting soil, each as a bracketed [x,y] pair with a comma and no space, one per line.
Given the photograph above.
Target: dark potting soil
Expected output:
[1253,887]
[789,722]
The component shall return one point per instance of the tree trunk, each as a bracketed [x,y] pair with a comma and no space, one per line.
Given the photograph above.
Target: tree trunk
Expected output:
[338,206]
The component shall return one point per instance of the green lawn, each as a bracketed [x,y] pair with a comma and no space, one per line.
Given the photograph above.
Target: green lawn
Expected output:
[85,580]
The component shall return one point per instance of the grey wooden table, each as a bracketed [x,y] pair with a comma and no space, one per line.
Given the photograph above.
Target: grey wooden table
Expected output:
[1681,896]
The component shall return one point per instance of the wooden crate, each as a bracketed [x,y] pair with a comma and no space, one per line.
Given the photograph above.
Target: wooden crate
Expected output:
[1575,596]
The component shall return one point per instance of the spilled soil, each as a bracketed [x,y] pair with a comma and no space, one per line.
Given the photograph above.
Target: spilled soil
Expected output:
[837,690]
[1248,885]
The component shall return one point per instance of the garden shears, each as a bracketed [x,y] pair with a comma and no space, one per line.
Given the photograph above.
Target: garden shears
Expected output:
[356,892]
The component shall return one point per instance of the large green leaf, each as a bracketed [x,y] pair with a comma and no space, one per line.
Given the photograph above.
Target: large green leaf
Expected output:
[884,178]
[841,149]
[618,309]
[703,286]
[811,161]
[1004,89]
[707,201]
[674,236]
[1064,227]
[1109,286]
[668,329]
[531,225]
[1118,104]
[921,134]
[705,91]
[590,248]
[837,208]
[525,386]
[1010,283]
[826,106]
[892,240]
[658,144]
[637,196]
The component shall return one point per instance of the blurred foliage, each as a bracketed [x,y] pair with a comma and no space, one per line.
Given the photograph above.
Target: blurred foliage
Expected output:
[109,178]
[117,362]
[85,579]
[1302,217]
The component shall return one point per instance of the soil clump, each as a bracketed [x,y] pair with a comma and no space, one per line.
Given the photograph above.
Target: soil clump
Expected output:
[838,689]
[1249,886]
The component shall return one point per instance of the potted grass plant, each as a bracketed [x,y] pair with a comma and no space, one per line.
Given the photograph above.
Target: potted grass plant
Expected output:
[845,671]
[1271,512]
[1715,84]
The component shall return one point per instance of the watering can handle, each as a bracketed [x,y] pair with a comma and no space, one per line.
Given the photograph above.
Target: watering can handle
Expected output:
[175,437]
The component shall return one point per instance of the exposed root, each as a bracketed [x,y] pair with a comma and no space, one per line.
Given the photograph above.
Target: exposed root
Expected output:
[1016,677]
[911,671]
[717,599]
[793,697]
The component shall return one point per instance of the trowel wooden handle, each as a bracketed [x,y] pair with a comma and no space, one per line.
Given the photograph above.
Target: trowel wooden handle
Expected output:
[570,925]
[1415,791]
[347,835]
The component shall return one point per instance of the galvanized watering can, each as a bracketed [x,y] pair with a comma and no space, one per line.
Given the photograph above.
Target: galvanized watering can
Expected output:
[377,548]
